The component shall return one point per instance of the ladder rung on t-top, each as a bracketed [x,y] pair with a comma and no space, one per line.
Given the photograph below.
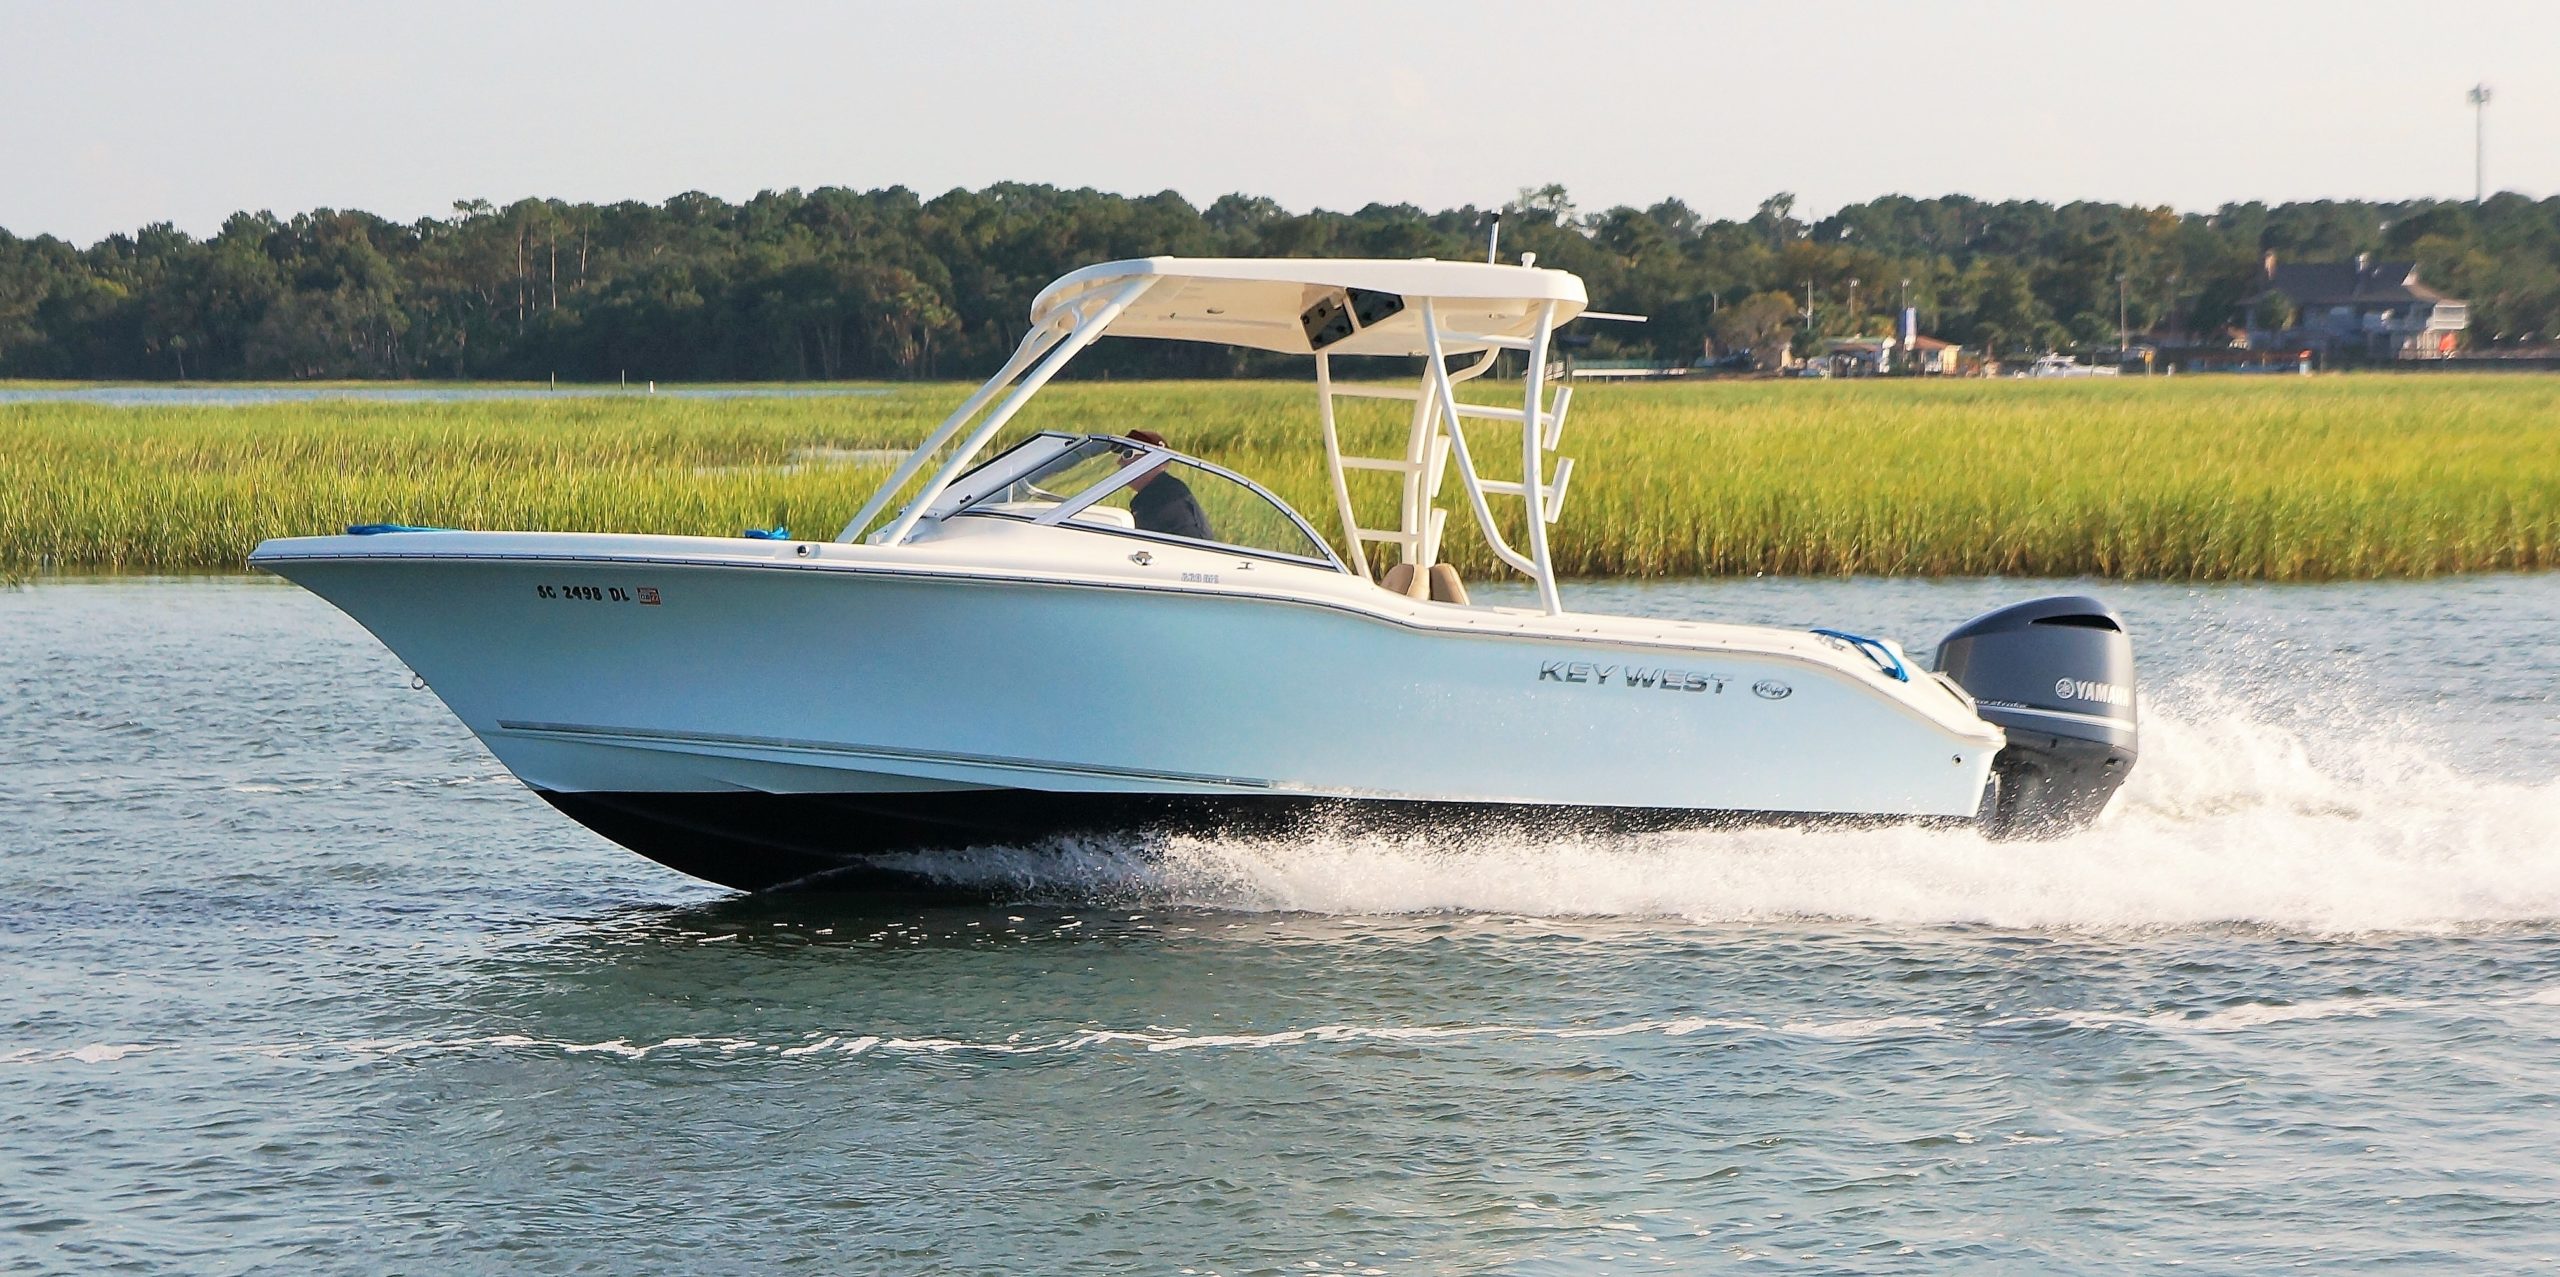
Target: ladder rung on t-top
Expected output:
[1436,435]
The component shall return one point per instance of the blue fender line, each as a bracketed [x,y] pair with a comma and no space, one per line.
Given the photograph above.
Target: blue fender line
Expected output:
[1876,651]
[377,529]
[776,533]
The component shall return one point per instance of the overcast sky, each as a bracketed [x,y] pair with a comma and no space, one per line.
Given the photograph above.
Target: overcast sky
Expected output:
[117,114]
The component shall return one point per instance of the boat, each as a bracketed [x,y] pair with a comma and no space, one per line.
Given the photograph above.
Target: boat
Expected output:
[1012,643]
[2054,364]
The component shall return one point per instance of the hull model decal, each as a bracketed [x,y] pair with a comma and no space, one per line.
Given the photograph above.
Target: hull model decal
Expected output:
[1636,676]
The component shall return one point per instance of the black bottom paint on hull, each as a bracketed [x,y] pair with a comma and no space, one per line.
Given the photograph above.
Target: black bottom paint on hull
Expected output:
[755,842]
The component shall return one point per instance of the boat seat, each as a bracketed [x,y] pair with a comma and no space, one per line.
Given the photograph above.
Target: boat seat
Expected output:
[1107,516]
[1438,584]
[1402,579]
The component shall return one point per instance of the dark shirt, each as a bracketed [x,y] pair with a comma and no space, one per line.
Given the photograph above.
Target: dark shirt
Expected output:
[1166,505]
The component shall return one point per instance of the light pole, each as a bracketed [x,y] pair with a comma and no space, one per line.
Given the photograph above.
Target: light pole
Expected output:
[2124,339]
[2479,96]
[1808,309]
[1899,315]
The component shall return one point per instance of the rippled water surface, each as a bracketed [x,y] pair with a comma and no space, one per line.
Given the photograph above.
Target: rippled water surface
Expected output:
[297,978]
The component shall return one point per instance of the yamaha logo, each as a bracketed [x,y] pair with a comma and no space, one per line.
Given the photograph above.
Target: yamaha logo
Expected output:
[2072,689]
[1770,689]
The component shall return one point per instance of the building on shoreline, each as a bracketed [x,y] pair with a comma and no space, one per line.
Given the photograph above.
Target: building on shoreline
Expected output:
[1931,357]
[1923,355]
[2359,310]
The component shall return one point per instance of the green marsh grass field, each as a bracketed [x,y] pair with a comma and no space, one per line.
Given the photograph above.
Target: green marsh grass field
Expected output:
[2198,478]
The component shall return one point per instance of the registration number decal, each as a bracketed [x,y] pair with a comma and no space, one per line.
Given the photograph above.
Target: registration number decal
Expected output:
[645,595]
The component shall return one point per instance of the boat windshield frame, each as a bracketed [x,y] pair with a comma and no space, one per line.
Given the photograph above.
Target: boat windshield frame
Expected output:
[968,494]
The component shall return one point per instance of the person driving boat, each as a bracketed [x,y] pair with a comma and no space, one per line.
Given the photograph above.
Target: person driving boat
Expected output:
[1162,503]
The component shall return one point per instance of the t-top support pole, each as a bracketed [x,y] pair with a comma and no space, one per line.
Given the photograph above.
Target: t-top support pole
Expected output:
[1451,421]
[1533,459]
[1034,344]
[1087,330]
[1333,463]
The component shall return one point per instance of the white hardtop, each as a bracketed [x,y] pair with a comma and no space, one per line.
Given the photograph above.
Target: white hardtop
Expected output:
[1469,312]
[1273,303]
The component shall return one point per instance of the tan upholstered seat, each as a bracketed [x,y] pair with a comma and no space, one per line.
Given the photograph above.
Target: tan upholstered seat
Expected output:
[1402,579]
[1438,585]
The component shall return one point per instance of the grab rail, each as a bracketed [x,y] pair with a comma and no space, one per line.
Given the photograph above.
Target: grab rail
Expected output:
[1877,650]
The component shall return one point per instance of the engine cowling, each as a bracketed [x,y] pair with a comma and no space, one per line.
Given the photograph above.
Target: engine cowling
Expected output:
[2057,675]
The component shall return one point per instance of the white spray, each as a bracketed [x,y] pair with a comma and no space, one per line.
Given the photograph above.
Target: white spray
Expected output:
[2228,819]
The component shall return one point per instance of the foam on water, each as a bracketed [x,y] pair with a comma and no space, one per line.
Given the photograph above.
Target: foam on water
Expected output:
[1155,1039]
[2229,818]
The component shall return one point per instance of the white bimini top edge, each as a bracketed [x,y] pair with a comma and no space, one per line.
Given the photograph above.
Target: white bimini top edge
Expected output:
[1303,306]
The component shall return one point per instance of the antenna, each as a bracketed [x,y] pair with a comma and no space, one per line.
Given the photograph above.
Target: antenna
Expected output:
[1493,247]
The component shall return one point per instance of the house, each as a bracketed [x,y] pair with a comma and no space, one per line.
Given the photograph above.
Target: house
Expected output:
[1932,357]
[1875,356]
[1858,356]
[2360,309]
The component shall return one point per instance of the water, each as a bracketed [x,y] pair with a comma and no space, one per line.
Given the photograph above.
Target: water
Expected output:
[299,979]
[200,396]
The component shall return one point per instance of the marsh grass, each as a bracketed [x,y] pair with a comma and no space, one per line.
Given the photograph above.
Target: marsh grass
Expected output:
[2182,478]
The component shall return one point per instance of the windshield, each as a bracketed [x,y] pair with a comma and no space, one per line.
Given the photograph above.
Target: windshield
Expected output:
[1054,482]
[1121,486]
[1175,498]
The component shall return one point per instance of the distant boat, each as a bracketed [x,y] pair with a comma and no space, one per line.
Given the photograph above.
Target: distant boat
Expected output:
[2055,365]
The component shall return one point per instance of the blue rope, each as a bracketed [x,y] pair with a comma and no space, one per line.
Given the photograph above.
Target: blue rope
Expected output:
[767,534]
[377,529]
[1875,649]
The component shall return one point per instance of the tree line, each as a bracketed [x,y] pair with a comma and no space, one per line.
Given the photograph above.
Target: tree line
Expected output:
[838,283]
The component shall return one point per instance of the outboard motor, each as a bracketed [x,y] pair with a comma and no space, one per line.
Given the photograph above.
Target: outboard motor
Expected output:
[2056,675]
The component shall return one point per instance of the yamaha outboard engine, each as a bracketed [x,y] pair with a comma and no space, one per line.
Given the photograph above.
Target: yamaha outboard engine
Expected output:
[2056,675]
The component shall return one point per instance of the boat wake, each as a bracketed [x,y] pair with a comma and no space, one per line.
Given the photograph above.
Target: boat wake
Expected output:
[2230,818]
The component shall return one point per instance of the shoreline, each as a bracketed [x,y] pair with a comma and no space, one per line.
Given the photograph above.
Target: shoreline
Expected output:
[2174,479]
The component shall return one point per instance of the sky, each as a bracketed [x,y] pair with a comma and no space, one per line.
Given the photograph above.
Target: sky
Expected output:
[114,115]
